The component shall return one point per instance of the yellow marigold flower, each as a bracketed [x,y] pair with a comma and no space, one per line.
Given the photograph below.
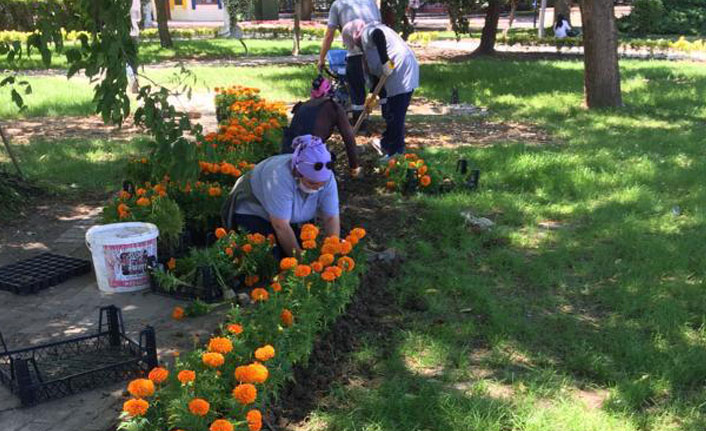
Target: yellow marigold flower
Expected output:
[136,407]
[143,202]
[141,388]
[265,353]
[326,259]
[213,359]
[178,313]
[186,376]
[259,294]
[234,328]
[221,425]
[199,407]
[245,393]
[346,263]
[286,317]
[287,263]
[220,345]
[302,271]
[158,375]
[254,418]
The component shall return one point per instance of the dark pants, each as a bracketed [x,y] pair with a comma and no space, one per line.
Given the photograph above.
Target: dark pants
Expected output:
[355,75]
[394,112]
[255,224]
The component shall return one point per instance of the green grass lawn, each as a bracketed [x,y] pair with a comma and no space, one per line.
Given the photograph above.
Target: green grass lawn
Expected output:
[526,328]
[150,52]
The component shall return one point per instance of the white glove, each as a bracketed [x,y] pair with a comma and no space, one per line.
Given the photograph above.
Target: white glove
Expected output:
[387,68]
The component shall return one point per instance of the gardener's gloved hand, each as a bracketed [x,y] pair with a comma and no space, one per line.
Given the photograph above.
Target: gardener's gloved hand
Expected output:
[357,172]
[387,68]
[372,102]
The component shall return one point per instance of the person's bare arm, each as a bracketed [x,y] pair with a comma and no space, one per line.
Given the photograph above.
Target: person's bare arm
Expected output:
[332,225]
[344,127]
[326,45]
[286,237]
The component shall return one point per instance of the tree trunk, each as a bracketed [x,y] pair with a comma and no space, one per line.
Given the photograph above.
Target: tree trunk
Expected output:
[511,19]
[165,39]
[562,7]
[307,9]
[296,32]
[490,29]
[600,44]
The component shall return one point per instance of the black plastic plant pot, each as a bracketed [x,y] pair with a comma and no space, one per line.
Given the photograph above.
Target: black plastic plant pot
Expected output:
[473,180]
[54,370]
[206,288]
[410,184]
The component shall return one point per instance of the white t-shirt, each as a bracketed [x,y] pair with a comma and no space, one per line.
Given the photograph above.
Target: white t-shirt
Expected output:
[563,30]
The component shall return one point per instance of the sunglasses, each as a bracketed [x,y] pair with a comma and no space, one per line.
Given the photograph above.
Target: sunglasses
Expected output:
[320,165]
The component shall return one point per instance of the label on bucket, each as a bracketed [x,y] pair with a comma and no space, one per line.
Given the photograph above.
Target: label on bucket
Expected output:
[126,263]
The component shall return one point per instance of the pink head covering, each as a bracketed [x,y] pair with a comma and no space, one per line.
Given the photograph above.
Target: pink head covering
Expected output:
[310,150]
[351,33]
[320,87]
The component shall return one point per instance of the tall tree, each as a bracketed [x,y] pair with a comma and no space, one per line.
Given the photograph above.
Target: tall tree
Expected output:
[600,44]
[165,39]
[296,31]
[562,7]
[511,18]
[490,29]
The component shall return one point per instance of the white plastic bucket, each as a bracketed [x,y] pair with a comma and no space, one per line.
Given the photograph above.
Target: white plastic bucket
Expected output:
[120,252]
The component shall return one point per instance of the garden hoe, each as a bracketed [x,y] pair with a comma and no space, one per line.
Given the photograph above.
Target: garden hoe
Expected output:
[369,107]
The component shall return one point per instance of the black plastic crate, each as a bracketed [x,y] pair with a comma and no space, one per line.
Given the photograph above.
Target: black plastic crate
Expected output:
[58,369]
[40,272]
[206,289]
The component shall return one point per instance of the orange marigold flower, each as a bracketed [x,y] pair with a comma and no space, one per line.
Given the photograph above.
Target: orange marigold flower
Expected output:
[220,233]
[234,328]
[229,251]
[254,418]
[256,238]
[247,248]
[171,264]
[199,407]
[287,263]
[265,353]
[158,375]
[214,191]
[220,345]
[242,374]
[258,373]
[337,271]
[391,163]
[141,388]
[178,313]
[422,170]
[326,259]
[302,271]
[353,240]
[140,192]
[259,294]
[330,248]
[390,185]
[346,263]
[245,393]
[358,233]
[307,235]
[317,266]
[213,359]
[309,245]
[221,425]
[425,180]
[251,280]
[143,202]
[328,276]
[124,195]
[286,317]
[186,376]
[346,247]
[276,287]
[136,407]
[271,239]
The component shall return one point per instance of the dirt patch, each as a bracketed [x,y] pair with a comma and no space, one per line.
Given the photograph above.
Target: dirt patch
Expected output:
[23,131]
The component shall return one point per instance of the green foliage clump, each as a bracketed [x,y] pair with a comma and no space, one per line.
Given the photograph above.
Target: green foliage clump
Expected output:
[687,17]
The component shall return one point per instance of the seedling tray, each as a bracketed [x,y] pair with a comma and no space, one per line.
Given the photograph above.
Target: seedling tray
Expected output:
[40,272]
[54,370]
